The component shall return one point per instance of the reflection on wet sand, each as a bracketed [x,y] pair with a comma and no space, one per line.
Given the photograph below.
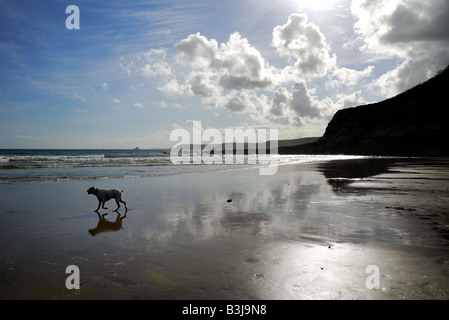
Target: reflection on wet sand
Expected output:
[105,225]
[340,174]
[406,197]
[351,200]
[293,235]
[259,206]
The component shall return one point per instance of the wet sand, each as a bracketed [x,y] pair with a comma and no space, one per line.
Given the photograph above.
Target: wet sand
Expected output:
[308,232]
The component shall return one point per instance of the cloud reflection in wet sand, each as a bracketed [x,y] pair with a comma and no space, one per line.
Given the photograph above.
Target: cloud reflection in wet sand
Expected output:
[270,241]
[297,202]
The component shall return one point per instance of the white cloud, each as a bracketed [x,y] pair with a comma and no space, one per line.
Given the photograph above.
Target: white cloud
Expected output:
[152,63]
[350,77]
[349,100]
[302,102]
[138,105]
[116,101]
[235,64]
[173,88]
[105,86]
[225,75]
[234,76]
[298,106]
[238,101]
[198,50]
[414,31]
[202,83]
[399,25]
[304,42]
[408,74]
[343,101]
[156,64]
[289,107]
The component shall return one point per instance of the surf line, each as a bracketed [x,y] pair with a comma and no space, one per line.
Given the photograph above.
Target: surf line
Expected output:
[199,310]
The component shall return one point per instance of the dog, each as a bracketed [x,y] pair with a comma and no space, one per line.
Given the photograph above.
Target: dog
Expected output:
[104,195]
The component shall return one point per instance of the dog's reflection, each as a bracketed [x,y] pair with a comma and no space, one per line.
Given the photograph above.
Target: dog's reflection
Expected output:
[105,225]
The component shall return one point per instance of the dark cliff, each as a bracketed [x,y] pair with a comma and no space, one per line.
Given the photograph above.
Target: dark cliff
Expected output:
[413,123]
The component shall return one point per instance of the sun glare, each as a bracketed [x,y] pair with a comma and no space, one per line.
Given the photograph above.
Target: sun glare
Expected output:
[316,4]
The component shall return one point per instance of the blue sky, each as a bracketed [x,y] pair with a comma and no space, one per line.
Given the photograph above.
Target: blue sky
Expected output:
[136,70]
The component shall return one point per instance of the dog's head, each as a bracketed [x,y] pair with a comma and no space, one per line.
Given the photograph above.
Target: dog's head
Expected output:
[91,190]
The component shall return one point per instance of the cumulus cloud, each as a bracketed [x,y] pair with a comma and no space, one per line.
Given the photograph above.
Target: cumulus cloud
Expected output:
[231,73]
[156,64]
[301,101]
[350,77]
[152,63]
[234,75]
[412,30]
[390,23]
[173,88]
[231,65]
[345,101]
[289,106]
[304,42]
[224,75]
[238,101]
[202,83]
[408,74]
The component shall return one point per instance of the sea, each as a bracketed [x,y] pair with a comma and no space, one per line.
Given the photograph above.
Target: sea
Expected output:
[19,165]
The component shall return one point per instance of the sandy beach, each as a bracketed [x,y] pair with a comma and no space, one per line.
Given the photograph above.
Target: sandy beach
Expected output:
[311,231]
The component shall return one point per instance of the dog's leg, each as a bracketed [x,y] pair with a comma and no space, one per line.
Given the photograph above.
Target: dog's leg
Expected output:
[103,205]
[118,204]
[124,204]
[99,204]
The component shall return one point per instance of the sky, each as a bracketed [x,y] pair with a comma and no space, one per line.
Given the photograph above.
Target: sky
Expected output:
[134,71]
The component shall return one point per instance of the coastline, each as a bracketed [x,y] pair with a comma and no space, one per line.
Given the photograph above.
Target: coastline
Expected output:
[307,232]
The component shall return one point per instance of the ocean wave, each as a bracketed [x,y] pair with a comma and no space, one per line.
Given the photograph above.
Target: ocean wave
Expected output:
[47,161]
[58,165]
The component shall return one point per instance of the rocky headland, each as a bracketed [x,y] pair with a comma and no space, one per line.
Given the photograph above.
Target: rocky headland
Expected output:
[413,123]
